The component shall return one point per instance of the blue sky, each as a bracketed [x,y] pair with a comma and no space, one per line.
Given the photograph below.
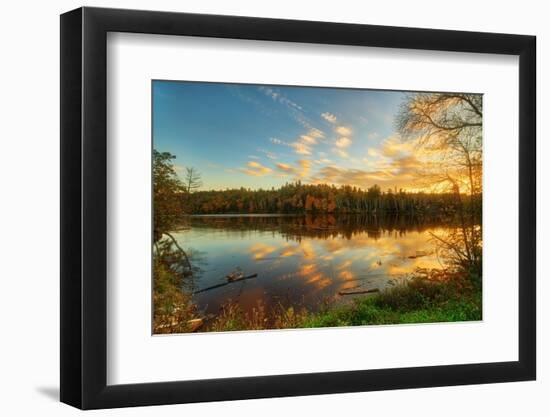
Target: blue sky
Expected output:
[261,136]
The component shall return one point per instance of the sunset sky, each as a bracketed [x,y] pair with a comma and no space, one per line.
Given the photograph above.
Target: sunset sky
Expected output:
[256,136]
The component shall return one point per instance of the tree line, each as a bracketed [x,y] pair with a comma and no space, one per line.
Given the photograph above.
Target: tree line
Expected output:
[296,197]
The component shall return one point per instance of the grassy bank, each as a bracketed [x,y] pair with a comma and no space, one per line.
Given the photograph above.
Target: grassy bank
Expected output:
[419,301]
[436,296]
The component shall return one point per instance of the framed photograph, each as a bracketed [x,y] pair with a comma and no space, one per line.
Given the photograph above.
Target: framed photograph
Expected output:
[257,208]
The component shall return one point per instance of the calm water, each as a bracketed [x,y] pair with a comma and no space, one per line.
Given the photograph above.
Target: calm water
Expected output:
[303,260]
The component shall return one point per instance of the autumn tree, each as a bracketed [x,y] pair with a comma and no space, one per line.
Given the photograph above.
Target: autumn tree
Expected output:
[167,207]
[167,189]
[447,128]
[171,265]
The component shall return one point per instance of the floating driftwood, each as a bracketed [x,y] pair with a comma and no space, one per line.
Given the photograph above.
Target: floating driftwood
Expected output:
[229,281]
[419,254]
[354,292]
[235,275]
[375,276]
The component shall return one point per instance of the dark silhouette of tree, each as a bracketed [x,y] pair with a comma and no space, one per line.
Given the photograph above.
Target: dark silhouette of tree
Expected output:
[167,204]
[450,125]
[192,179]
[167,190]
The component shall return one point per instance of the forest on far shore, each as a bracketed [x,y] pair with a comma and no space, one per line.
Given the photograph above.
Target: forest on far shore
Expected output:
[295,197]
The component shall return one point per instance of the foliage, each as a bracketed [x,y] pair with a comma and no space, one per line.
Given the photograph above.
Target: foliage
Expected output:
[173,307]
[167,189]
[232,317]
[420,300]
[296,197]
[172,270]
[450,124]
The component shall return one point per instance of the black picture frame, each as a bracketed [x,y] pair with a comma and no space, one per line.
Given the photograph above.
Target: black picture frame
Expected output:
[84,207]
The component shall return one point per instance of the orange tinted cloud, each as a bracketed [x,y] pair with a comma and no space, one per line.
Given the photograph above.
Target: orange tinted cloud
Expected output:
[284,167]
[343,142]
[343,130]
[301,148]
[256,169]
[308,139]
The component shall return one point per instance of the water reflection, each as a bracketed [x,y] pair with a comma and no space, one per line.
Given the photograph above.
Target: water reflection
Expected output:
[305,260]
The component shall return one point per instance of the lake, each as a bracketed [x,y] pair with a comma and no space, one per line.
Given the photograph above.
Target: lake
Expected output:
[303,261]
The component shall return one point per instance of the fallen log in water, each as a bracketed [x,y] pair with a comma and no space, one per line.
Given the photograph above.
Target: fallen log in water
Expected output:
[419,254]
[229,281]
[353,292]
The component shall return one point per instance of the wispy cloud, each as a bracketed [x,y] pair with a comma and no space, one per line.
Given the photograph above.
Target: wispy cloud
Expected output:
[329,117]
[299,171]
[308,134]
[279,97]
[399,172]
[304,143]
[308,139]
[343,130]
[341,153]
[312,136]
[305,163]
[256,169]
[268,154]
[239,92]
[295,111]
[277,141]
[343,142]
[301,148]
[394,146]
[373,152]
[284,167]
[316,133]
[393,163]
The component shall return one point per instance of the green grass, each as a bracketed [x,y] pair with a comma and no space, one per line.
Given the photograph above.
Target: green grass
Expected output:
[418,301]
[447,298]
[367,312]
